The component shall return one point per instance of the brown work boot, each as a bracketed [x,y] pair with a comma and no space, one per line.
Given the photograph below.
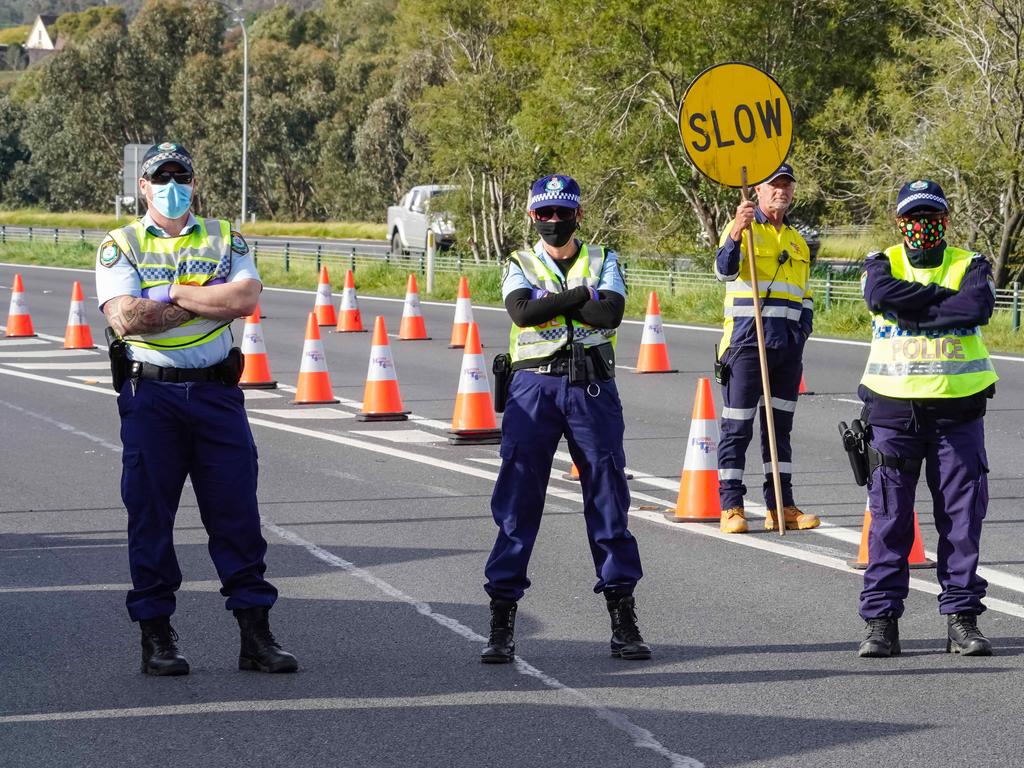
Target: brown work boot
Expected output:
[795,519]
[733,521]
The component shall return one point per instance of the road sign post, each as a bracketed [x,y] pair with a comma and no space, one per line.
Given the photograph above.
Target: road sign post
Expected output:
[736,126]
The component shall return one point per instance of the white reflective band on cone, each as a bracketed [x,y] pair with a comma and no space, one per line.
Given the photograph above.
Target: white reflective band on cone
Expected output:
[382,366]
[463,311]
[473,379]
[252,340]
[77,315]
[654,331]
[348,299]
[702,446]
[313,359]
[323,295]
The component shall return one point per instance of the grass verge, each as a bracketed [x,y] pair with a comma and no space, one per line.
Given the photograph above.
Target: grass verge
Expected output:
[36,217]
[702,306]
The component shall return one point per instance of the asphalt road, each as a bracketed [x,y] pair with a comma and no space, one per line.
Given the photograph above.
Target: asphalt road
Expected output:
[378,534]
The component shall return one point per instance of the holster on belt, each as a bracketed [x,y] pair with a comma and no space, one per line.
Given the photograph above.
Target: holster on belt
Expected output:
[230,369]
[502,370]
[120,364]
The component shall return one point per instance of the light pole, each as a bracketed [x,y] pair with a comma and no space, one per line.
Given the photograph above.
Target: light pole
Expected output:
[245,112]
[245,105]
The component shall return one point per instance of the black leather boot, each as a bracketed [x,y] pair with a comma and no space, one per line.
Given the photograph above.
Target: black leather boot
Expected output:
[883,639]
[501,645]
[160,655]
[260,651]
[626,641]
[964,637]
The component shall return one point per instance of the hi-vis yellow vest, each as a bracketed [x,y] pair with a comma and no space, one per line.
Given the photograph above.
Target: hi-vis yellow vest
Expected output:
[952,362]
[192,259]
[542,341]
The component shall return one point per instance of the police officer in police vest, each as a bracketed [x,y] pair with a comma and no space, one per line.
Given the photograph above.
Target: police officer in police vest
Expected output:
[565,298]
[787,310]
[925,389]
[170,284]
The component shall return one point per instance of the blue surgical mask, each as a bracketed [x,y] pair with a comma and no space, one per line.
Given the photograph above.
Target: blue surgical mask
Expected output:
[172,199]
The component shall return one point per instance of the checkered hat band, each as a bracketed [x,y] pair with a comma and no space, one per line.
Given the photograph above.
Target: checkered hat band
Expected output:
[164,157]
[554,197]
[919,196]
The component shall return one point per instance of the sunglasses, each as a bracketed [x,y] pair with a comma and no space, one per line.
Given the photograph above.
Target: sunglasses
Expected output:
[548,212]
[162,177]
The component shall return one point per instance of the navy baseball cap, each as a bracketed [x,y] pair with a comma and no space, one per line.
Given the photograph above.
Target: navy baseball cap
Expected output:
[784,170]
[167,152]
[921,195]
[555,189]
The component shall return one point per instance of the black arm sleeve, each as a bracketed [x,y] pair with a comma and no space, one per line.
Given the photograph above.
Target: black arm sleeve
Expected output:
[525,311]
[606,312]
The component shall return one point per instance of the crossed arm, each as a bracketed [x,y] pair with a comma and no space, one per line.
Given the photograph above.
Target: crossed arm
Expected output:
[130,315]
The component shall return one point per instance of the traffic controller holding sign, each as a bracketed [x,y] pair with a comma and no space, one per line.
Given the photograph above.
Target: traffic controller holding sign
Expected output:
[735,116]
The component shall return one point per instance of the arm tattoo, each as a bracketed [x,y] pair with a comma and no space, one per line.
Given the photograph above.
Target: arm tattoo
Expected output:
[129,315]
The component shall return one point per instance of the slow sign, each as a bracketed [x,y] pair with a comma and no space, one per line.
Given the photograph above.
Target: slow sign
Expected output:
[735,116]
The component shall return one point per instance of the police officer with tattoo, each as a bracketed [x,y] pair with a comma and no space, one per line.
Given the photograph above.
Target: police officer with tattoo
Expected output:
[565,298]
[170,284]
[925,390]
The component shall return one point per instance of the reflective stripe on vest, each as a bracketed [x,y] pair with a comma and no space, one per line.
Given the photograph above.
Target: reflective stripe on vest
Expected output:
[539,342]
[928,364]
[192,259]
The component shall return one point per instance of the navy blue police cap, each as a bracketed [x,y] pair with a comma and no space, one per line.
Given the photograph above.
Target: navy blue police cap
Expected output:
[555,189]
[921,195]
[165,152]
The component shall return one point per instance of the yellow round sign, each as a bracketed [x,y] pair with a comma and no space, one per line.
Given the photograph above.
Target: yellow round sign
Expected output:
[735,116]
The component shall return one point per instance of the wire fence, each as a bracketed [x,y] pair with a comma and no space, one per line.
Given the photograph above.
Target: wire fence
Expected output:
[835,287]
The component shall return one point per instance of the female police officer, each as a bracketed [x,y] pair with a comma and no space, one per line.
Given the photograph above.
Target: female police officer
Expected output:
[566,299]
[925,388]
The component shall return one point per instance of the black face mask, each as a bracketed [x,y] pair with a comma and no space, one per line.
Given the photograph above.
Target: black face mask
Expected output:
[555,233]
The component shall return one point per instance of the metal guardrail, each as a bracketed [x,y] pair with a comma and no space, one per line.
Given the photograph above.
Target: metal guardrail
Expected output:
[827,290]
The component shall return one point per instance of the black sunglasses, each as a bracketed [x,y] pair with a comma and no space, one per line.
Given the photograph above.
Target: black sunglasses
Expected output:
[162,177]
[547,212]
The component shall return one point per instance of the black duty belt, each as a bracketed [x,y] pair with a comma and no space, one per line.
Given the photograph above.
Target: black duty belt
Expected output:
[174,375]
[559,366]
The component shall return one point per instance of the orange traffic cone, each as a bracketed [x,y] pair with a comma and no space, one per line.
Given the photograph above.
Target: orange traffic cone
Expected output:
[917,557]
[349,319]
[698,486]
[314,382]
[19,321]
[463,315]
[324,306]
[473,421]
[653,349]
[573,475]
[412,327]
[803,387]
[256,372]
[381,399]
[78,335]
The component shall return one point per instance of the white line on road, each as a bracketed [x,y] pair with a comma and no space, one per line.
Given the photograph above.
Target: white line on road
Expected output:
[642,738]
[51,353]
[21,342]
[61,425]
[97,365]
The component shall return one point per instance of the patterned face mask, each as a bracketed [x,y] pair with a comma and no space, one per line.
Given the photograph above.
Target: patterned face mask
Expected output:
[922,232]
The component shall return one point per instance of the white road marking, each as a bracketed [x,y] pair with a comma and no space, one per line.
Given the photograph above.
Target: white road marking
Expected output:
[847,400]
[402,435]
[51,353]
[259,394]
[304,414]
[642,738]
[97,365]
[94,379]
[21,342]
[69,428]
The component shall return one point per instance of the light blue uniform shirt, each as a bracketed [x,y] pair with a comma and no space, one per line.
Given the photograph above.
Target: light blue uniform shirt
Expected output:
[611,277]
[121,279]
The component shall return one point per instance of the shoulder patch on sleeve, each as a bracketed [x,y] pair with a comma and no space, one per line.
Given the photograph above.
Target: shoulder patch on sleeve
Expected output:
[238,244]
[108,254]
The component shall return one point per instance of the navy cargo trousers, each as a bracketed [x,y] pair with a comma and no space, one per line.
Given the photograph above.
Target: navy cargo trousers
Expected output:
[540,409]
[198,430]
